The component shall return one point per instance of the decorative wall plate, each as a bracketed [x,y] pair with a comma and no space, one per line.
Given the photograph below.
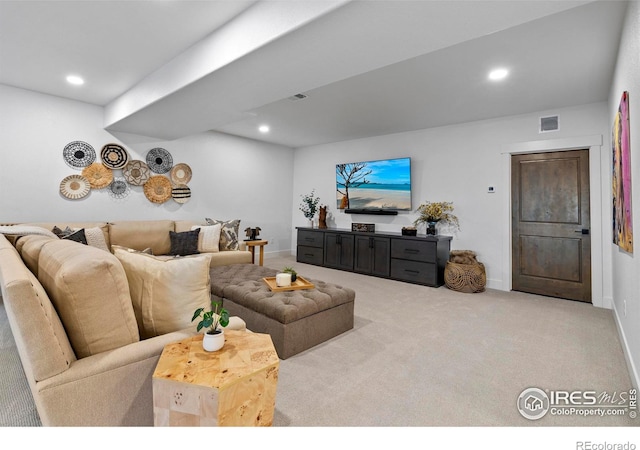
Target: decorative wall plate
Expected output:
[157,189]
[75,187]
[181,193]
[98,175]
[181,173]
[114,156]
[159,160]
[136,172]
[119,188]
[78,154]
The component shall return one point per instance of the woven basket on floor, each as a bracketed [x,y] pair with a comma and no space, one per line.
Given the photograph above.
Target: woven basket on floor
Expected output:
[465,277]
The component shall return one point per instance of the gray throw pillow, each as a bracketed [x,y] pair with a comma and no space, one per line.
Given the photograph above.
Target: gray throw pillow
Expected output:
[185,243]
[228,233]
[77,236]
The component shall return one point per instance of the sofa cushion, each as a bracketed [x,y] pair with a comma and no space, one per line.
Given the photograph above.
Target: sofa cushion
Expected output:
[184,243]
[209,238]
[89,289]
[165,291]
[141,234]
[29,248]
[228,233]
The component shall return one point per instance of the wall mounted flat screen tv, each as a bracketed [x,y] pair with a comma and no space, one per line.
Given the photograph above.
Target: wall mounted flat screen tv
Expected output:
[382,185]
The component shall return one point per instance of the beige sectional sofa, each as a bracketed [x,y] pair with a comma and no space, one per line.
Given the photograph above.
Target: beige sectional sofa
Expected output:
[88,338]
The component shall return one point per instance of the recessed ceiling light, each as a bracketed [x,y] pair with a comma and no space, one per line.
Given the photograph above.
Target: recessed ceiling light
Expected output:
[498,74]
[75,79]
[263,129]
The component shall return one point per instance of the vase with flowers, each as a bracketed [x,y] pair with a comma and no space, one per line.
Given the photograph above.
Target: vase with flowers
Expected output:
[433,212]
[309,206]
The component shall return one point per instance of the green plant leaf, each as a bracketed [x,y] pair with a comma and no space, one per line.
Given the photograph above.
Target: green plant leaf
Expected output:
[197,313]
[200,325]
[224,317]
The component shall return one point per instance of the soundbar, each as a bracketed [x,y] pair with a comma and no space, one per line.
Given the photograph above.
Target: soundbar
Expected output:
[373,211]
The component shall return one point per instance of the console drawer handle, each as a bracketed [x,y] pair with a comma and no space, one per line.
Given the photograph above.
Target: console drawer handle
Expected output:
[308,254]
[411,250]
[309,239]
[412,271]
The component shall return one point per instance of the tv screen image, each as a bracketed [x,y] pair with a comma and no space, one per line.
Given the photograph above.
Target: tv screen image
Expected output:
[383,184]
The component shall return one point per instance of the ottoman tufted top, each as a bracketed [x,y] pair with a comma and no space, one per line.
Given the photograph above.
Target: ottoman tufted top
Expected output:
[242,283]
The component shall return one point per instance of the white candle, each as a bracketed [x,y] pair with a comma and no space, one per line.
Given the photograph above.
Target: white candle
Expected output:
[283,279]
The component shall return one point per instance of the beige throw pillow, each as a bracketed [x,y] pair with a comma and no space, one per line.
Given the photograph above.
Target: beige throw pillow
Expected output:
[165,291]
[209,238]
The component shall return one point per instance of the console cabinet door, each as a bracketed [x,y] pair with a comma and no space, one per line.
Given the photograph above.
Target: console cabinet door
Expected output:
[338,251]
[372,255]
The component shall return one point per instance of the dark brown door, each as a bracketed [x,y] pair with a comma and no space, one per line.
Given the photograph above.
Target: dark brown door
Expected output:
[551,241]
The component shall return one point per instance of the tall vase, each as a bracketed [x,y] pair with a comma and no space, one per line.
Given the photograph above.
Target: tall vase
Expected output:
[431,228]
[311,223]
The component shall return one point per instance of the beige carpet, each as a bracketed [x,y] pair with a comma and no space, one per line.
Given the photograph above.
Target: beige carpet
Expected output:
[420,356]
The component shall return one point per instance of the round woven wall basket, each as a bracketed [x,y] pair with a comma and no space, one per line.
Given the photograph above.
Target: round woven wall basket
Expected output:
[467,278]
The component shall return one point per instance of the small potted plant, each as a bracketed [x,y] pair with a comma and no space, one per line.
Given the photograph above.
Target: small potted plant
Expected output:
[294,274]
[214,337]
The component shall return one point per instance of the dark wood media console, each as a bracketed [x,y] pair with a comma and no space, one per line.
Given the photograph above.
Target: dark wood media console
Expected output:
[415,259]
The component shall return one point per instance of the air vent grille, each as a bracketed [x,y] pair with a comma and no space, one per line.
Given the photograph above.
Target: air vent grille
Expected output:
[550,123]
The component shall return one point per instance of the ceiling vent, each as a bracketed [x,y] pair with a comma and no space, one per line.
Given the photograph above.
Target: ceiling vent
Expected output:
[548,124]
[296,97]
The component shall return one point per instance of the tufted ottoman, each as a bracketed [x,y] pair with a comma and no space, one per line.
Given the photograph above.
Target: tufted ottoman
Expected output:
[296,320]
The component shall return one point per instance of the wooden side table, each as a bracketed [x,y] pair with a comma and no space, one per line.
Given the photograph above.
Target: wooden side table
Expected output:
[235,386]
[252,247]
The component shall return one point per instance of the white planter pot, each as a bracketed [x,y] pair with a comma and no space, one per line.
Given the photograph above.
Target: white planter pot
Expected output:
[213,342]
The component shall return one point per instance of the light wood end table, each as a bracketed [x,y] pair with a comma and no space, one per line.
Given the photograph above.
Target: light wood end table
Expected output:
[235,386]
[252,247]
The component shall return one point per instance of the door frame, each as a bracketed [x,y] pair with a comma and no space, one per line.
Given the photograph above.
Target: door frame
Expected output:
[599,215]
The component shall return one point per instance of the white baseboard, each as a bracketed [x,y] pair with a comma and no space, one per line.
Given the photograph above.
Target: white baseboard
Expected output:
[631,367]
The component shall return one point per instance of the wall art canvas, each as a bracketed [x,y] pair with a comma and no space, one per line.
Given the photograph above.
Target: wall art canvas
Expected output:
[621,178]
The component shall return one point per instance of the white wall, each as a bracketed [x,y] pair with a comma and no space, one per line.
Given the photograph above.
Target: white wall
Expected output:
[455,163]
[626,266]
[232,177]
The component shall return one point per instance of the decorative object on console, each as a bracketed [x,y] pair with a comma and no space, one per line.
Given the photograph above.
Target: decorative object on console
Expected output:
[322,218]
[364,227]
[214,337]
[98,175]
[409,231]
[309,206]
[158,189]
[181,173]
[78,154]
[252,233]
[114,156]
[74,187]
[181,193]
[228,233]
[119,188]
[383,185]
[136,172]
[159,160]
[434,212]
